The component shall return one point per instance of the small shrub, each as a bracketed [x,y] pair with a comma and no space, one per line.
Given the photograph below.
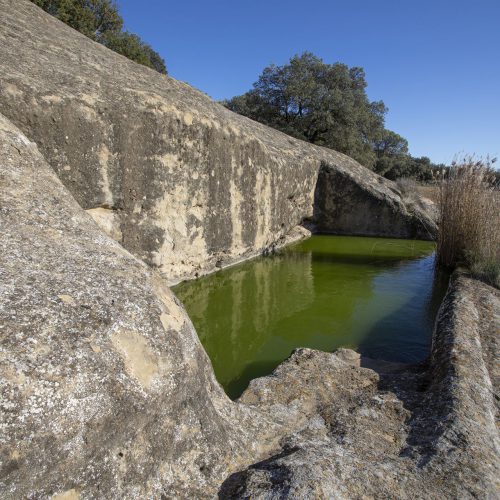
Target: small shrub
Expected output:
[407,186]
[469,220]
[100,21]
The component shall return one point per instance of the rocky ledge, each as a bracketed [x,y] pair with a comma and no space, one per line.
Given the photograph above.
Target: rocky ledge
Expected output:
[383,430]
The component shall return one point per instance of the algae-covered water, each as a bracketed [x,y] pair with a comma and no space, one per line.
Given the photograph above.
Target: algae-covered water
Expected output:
[379,296]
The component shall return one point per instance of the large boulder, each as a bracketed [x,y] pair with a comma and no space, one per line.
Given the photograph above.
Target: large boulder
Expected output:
[106,390]
[180,181]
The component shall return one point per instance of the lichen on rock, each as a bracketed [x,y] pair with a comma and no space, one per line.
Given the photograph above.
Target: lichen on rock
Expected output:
[106,389]
[115,180]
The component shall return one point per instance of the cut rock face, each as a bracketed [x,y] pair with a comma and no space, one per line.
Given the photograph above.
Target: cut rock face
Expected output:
[181,182]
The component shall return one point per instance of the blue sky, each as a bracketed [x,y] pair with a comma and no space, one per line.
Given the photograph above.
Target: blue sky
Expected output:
[435,64]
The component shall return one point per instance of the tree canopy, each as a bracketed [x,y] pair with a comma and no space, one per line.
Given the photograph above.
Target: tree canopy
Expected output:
[130,45]
[101,21]
[327,104]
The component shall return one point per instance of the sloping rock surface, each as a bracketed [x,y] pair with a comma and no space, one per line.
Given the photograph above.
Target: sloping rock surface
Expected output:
[105,388]
[177,179]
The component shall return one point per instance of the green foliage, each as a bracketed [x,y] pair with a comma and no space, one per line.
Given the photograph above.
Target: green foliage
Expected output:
[325,104]
[403,165]
[131,46]
[93,18]
[101,21]
[388,143]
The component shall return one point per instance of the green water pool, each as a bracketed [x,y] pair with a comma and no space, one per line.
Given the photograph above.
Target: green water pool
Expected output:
[378,296]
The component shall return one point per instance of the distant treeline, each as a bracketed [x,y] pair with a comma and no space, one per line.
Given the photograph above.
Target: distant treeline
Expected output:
[101,21]
[326,104]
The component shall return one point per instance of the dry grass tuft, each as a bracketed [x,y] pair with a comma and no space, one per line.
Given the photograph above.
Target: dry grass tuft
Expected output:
[469,225]
[407,186]
[429,191]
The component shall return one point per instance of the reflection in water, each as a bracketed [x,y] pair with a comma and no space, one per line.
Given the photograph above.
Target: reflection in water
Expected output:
[376,295]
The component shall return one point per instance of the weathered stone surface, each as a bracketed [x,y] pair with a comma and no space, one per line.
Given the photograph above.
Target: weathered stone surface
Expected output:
[187,183]
[342,206]
[406,432]
[105,388]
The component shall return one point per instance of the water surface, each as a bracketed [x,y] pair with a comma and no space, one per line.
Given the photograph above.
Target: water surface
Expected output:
[376,295]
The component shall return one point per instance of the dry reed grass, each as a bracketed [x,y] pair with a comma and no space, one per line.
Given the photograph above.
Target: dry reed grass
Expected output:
[469,225]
